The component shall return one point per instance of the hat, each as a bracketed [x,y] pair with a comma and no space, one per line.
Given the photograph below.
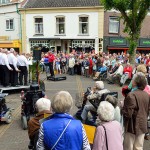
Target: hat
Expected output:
[99,85]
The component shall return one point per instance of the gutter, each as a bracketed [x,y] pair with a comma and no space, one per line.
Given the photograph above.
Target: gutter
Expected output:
[17,10]
[53,8]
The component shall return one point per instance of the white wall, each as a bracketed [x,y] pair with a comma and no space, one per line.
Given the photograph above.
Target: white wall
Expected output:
[9,12]
[71,25]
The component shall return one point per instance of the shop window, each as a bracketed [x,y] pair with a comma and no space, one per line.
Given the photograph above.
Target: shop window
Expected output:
[38,25]
[113,25]
[4,1]
[83,25]
[10,24]
[60,25]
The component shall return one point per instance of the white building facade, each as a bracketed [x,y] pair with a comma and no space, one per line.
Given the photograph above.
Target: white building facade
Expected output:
[63,29]
[10,32]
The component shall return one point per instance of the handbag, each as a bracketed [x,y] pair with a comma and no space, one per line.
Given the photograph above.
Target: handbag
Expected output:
[87,67]
[105,136]
[61,135]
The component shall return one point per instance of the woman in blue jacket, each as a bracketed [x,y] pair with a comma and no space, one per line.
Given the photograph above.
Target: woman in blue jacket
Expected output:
[62,131]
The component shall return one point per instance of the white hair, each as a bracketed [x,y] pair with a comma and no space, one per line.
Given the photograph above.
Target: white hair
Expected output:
[106,111]
[43,104]
[99,85]
[62,102]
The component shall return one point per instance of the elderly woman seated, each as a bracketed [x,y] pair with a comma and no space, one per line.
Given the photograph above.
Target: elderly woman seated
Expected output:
[43,106]
[62,131]
[127,74]
[109,133]
[96,93]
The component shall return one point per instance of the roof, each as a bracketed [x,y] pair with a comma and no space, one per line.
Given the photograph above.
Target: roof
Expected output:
[61,3]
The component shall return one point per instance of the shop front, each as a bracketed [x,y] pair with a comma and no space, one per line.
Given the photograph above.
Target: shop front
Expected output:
[115,45]
[120,44]
[144,45]
[82,46]
[62,45]
[16,44]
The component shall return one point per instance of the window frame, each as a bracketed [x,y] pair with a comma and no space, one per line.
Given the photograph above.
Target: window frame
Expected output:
[83,16]
[40,17]
[57,30]
[3,2]
[9,29]
[110,21]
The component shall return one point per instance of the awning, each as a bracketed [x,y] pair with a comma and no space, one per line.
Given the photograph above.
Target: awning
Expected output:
[10,44]
[117,48]
[127,48]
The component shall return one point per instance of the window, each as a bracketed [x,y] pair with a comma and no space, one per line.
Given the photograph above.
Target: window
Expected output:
[38,25]
[83,25]
[9,24]
[4,1]
[60,25]
[113,25]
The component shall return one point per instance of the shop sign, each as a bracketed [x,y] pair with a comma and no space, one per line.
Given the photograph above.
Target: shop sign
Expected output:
[145,42]
[117,41]
[16,43]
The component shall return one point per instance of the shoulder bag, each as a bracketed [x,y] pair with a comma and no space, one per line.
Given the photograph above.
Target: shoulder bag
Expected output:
[105,136]
[61,135]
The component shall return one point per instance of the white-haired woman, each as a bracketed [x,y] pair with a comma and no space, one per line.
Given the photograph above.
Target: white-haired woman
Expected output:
[95,94]
[43,106]
[62,131]
[109,133]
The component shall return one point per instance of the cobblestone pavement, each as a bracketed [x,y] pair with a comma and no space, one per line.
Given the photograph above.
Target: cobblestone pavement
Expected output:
[13,137]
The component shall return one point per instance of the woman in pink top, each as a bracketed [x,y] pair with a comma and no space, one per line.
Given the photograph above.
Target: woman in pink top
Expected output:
[112,138]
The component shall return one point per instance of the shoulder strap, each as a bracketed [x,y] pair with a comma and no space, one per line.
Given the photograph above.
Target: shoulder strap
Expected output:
[61,135]
[105,136]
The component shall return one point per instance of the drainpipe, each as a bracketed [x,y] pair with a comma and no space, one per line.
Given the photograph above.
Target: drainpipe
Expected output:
[17,10]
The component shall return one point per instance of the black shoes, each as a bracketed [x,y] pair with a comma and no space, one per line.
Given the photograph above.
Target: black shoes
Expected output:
[110,83]
[121,84]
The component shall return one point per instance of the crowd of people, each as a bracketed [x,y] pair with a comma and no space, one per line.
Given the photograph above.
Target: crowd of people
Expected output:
[60,130]
[14,68]
[119,125]
[116,66]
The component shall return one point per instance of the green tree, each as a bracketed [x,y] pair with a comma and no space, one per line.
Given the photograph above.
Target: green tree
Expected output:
[133,13]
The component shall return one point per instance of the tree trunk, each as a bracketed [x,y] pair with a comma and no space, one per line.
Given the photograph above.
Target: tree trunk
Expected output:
[132,56]
[132,48]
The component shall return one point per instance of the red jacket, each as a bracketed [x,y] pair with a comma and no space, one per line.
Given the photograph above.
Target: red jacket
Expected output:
[51,58]
[129,70]
[91,63]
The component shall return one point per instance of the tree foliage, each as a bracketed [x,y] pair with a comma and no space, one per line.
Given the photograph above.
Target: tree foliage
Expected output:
[133,13]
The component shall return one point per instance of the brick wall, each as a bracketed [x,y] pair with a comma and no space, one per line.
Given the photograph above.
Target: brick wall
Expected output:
[145,31]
